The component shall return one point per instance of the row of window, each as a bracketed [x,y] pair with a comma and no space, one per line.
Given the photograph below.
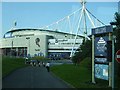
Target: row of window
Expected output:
[60,49]
[62,43]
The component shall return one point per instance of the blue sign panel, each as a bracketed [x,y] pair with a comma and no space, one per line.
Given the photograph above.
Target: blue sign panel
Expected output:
[101,60]
[101,30]
[100,46]
[101,71]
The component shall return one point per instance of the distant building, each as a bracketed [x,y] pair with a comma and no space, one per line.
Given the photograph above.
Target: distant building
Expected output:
[38,42]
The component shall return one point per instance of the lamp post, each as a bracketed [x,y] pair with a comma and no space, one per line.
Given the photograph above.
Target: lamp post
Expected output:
[11,47]
[113,57]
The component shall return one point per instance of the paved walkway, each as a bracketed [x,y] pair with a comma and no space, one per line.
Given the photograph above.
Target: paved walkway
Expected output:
[32,77]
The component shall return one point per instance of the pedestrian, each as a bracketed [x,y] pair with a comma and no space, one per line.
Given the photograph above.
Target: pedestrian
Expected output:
[34,64]
[39,64]
[43,64]
[48,66]
[31,62]
[26,60]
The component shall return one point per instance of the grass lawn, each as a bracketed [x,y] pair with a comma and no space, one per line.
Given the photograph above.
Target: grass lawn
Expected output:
[78,76]
[10,64]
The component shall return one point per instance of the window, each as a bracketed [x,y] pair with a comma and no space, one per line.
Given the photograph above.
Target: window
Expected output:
[8,35]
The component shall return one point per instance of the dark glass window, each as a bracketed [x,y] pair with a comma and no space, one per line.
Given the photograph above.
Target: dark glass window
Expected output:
[8,35]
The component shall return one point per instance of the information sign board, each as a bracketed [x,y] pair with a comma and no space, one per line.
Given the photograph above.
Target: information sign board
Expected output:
[102,30]
[101,60]
[101,71]
[101,46]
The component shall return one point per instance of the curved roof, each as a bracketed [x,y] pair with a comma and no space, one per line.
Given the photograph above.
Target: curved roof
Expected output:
[16,30]
[30,31]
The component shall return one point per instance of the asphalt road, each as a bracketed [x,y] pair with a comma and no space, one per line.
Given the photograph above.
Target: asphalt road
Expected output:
[32,77]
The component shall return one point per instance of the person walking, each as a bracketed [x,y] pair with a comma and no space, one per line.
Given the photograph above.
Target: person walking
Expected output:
[39,63]
[43,64]
[48,66]
[26,60]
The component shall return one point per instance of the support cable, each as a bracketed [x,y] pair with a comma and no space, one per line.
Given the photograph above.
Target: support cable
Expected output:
[95,17]
[63,18]
[78,28]
[90,18]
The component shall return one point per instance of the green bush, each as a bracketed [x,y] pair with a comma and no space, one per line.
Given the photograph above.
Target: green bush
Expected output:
[85,50]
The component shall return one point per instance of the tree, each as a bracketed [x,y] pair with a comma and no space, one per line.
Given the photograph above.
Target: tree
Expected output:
[85,50]
[117,44]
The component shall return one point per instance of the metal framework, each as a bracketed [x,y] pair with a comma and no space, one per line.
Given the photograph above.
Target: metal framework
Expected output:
[84,14]
[78,20]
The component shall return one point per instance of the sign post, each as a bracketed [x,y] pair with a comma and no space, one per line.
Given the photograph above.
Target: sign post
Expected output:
[113,61]
[110,64]
[93,65]
[101,64]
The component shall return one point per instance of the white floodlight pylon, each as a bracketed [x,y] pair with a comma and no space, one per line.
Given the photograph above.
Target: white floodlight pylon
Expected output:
[84,14]
[78,28]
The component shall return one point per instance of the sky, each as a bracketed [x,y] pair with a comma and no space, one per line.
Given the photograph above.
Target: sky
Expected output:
[39,14]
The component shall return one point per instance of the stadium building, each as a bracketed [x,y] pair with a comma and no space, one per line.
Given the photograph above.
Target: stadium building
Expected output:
[39,42]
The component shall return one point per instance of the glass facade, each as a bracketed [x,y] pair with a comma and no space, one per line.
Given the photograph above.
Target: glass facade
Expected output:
[19,52]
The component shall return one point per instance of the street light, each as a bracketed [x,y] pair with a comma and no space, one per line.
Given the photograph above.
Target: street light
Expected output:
[11,48]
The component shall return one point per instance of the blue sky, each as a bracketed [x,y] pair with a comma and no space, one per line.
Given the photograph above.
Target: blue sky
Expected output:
[39,14]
